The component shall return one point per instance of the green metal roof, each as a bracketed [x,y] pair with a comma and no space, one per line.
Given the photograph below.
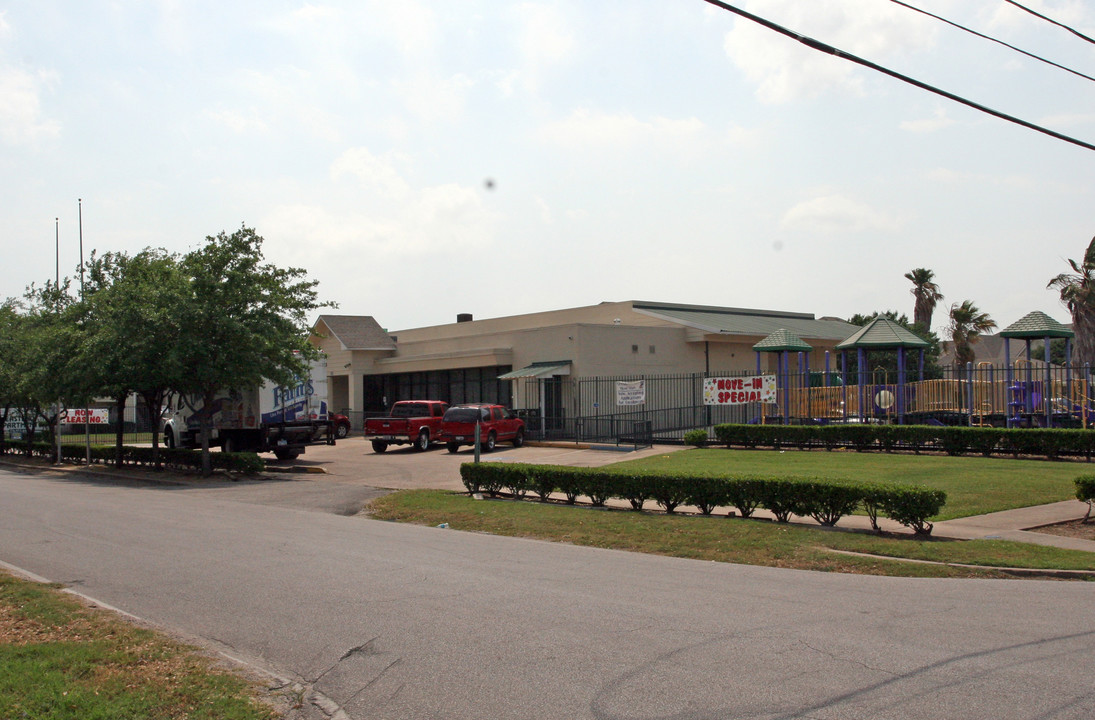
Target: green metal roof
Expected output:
[739,321]
[1036,325]
[782,340]
[883,333]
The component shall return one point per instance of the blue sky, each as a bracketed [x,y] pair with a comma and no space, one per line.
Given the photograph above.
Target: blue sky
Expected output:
[639,149]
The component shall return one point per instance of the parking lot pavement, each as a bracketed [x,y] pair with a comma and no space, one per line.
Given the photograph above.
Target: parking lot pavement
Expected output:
[402,468]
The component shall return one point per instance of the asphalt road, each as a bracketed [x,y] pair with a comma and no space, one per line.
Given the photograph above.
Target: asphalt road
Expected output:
[396,621]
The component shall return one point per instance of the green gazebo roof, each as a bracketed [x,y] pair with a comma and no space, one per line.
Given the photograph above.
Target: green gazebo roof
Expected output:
[782,341]
[883,333]
[1036,325]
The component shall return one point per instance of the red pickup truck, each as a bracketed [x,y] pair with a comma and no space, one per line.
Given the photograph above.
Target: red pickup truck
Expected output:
[496,424]
[416,422]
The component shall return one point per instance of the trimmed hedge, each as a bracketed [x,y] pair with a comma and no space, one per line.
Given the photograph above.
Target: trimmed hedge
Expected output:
[247,462]
[825,500]
[1050,443]
[1085,491]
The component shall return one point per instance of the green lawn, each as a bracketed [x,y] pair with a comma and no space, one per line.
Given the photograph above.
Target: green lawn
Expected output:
[974,485]
[721,538]
[60,660]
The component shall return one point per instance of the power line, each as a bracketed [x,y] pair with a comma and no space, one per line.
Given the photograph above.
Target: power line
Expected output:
[987,37]
[830,50]
[1074,31]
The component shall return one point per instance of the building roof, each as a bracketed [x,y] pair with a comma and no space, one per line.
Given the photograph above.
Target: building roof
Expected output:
[1036,325]
[883,333]
[782,341]
[356,332]
[741,321]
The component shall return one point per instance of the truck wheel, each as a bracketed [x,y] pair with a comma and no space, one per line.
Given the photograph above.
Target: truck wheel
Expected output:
[452,447]
[519,439]
[492,440]
[422,442]
[342,431]
[379,446]
[228,445]
[287,454]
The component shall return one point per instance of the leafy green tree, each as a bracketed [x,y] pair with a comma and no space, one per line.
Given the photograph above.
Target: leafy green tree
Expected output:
[967,324]
[1077,290]
[10,329]
[243,320]
[927,296]
[1057,349]
[46,378]
[132,306]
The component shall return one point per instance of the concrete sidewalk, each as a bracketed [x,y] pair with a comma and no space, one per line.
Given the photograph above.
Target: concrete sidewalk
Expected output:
[1017,524]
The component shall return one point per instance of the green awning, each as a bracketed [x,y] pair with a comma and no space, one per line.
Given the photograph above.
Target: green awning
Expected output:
[539,370]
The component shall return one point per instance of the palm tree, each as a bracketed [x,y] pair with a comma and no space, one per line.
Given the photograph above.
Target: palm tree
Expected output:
[967,324]
[1078,295]
[927,295]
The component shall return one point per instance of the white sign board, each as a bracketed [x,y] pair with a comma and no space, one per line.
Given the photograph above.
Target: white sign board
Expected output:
[630,392]
[739,390]
[94,416]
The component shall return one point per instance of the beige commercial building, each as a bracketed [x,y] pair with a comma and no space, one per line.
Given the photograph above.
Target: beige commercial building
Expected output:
[532,361]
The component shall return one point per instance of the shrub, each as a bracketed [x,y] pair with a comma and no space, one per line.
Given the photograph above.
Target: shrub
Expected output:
[826,501]
[706,493]
[695,438]
[745,494]
[1085,491]
[912,506]
[777,497]
[669,491]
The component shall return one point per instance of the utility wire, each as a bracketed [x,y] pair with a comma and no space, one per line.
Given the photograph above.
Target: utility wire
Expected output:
[1000,42]
[1074,31]
[830,50]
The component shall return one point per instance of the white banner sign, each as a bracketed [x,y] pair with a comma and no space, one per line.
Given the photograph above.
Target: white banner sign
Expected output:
[739,390]
[94,416]
[630,392]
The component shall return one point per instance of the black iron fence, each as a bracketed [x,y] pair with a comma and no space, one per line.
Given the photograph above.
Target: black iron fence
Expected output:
[606,409]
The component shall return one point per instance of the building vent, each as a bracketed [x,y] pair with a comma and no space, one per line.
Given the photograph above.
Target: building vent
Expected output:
[463,317]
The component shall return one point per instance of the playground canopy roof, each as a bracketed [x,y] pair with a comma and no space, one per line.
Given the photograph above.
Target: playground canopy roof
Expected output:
[782,340]
[1036,325]
[883,333]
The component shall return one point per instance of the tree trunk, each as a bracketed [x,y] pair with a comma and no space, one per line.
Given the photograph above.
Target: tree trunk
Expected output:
[153,403]
[1083,321]
[119,452]
[206,423]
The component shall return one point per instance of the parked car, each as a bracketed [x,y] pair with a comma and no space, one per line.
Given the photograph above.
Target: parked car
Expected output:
[341,423]
[496,424]
[416,422]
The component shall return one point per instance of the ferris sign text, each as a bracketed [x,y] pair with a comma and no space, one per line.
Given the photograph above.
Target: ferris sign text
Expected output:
[739,390]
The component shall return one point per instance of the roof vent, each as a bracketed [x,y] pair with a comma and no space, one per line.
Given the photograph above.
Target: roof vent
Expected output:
[463,317]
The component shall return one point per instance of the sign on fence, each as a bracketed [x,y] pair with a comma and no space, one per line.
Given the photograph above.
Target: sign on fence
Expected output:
[739,390]
[94,416]
[630,392]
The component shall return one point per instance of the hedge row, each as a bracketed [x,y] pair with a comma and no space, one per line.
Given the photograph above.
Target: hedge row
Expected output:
[1049,443]
[826,501]
[245,462]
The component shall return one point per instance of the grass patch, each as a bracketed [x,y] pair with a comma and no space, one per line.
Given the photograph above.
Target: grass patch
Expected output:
[60,659]
[974,485]
[721,539]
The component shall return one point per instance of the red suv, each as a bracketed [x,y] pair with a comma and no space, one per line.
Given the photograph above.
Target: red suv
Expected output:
[496,424]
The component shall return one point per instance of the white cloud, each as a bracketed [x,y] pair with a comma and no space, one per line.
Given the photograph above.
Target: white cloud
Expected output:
[21,118]
[544,38]
[1068,120]
[377,174]
[237,121]
[837,213]
[586,128]
[938,121]
[785,70]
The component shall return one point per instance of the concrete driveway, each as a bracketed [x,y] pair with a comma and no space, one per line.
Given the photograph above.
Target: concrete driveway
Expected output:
[352,460]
